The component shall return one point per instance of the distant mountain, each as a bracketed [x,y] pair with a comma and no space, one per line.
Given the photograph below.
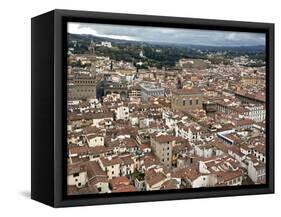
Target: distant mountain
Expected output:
[85,37]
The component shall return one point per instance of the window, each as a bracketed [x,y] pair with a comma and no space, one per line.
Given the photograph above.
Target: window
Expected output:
[75,174]
[112,172]
[79,184]
[190,102]
[197,101]
[183,102]
[99,189]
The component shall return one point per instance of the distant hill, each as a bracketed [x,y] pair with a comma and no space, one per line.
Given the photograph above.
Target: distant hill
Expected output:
[160,54]
[86,37]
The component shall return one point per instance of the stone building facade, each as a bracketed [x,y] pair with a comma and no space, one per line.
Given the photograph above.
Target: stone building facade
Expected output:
[83,86]
[162,147]
[187,99]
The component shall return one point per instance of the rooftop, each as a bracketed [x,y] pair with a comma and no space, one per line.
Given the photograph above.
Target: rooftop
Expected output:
[187,91]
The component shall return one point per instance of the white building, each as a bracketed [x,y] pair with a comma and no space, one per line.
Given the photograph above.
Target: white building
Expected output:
[191,133]
[122,113]
[111,165]
[106,44]
[95,140]
[256,171]
[255,112]
[202,180]
[203,150]
[127,166]
[77,175]
[102,119]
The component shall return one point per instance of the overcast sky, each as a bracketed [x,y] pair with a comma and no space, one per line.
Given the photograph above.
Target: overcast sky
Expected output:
[170,35]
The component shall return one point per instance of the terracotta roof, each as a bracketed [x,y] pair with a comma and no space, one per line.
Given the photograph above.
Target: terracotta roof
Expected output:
[99,150]
[94,169]
[164,138]
[260,148]
[127,160]
[236,150]
[244,122]
[169,185]
[149,160]
[116,182]
[102,115]
[152,177]
[77,117]
[190,173]
[110,161]
[91,130]
[229,175]
[124,188]
[187,91]
[97,179]
[76,168]
[80,150]
[220,145]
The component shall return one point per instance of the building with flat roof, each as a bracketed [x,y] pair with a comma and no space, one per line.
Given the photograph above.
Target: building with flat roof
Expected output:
[149,90]
[187,99]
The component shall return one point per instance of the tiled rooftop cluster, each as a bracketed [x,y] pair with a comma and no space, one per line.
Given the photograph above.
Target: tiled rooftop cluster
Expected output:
[202,125]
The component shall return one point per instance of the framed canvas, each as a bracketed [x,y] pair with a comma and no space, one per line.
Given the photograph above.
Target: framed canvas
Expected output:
[133,108]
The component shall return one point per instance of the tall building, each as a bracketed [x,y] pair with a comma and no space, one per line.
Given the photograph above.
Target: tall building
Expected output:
[162,147]
[83,86]
[179,83]
[186,99]
[92,59]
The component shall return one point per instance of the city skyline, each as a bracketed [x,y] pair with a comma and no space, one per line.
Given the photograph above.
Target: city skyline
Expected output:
[145,117]
[169,35]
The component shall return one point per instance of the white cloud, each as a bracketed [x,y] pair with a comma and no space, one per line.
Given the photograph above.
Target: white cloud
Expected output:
[76,28]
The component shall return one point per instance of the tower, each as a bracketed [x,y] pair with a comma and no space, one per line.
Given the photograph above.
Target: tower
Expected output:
[111,65]
[91,48]
[179,82]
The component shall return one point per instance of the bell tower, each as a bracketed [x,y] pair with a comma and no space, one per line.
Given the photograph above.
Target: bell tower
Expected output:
[91,48]
[179,83]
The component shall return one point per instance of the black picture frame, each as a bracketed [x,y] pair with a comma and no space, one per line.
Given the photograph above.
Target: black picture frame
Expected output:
[48,75]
